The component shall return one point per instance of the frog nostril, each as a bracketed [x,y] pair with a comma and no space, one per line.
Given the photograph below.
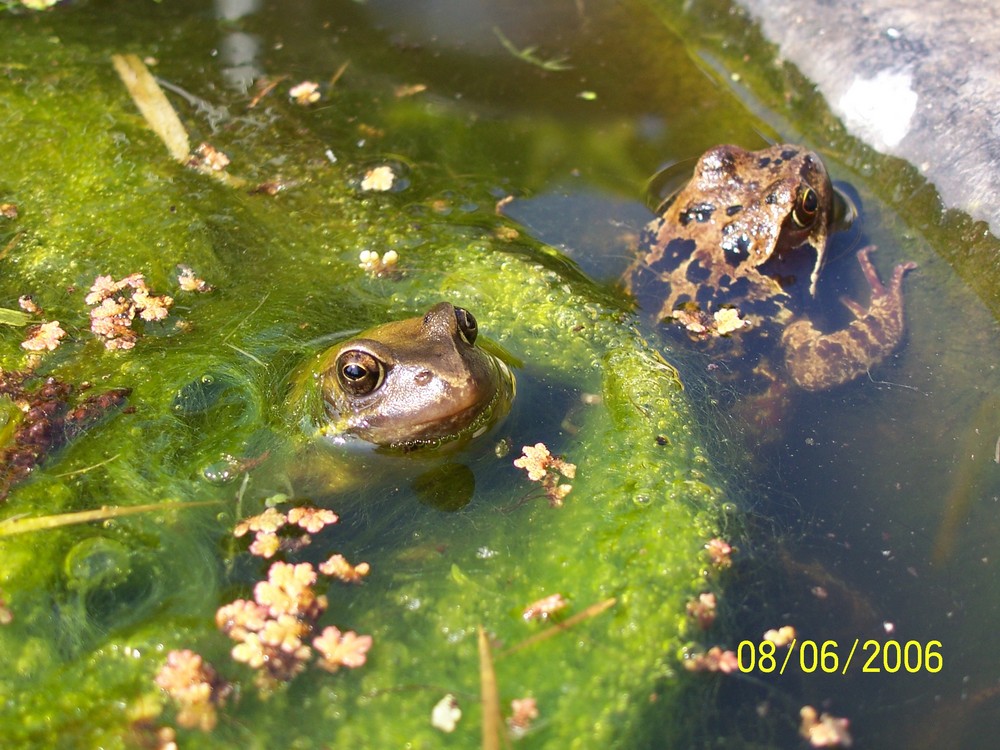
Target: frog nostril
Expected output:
[423,377]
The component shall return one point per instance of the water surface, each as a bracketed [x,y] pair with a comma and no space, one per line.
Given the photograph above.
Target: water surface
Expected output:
[871,516]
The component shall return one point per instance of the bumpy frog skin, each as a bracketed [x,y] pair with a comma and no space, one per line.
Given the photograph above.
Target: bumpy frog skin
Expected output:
[415,382]
[710,261]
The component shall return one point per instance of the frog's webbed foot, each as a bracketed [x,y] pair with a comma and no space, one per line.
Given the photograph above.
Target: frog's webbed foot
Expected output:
[817,361]
[894,292]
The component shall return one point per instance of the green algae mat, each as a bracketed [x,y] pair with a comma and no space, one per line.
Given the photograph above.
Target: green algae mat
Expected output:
[157,499]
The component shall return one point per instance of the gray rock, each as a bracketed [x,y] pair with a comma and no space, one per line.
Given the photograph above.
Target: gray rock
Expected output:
[920,81]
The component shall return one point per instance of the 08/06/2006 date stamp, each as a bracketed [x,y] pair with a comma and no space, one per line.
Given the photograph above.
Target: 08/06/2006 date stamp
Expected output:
[831,657]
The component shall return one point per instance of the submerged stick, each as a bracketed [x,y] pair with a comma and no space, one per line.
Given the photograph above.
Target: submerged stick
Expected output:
[592,611]
[38,523]
[153,104]
[161,117]
[966,482]
[489,695]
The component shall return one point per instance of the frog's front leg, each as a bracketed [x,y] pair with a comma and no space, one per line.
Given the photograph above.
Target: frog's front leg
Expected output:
[817,361]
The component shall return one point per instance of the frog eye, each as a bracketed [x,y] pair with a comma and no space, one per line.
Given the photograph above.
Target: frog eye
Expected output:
[359,373]
[806,208]
[467,325]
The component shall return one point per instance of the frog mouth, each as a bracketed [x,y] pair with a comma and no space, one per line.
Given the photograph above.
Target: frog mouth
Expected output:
[458,425]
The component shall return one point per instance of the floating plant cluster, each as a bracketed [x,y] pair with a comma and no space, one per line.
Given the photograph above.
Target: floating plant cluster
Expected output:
[276,632]
[114,308]
[115,305]
[543,467]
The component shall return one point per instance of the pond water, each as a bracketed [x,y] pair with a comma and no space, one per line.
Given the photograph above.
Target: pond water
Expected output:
[868,515]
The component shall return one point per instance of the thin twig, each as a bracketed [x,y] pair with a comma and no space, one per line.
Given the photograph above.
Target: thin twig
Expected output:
[11,245]
[267,89]
[87,468]
[338,73]
[247,354]
[489,695]
[153,104]
[890,383]
[161,117]
[25,524]
[247,317]
[560,627]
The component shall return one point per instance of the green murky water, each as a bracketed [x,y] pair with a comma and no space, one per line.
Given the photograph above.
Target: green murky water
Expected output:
[97,606]
[882,493]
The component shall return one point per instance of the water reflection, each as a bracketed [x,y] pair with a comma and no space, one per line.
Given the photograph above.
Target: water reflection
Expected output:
[239,51]
[232,10]
[469,24]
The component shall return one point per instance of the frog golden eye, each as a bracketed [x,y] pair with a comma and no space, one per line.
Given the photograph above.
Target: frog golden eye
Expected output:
[467,325]
[806,208]
[359,373]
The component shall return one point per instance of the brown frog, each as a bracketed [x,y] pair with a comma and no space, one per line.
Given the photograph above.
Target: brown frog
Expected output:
[721,259]
[409,383]
[417,389]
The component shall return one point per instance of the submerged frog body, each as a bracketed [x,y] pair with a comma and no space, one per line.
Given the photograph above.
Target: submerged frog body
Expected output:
[721,259]
[415,382]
